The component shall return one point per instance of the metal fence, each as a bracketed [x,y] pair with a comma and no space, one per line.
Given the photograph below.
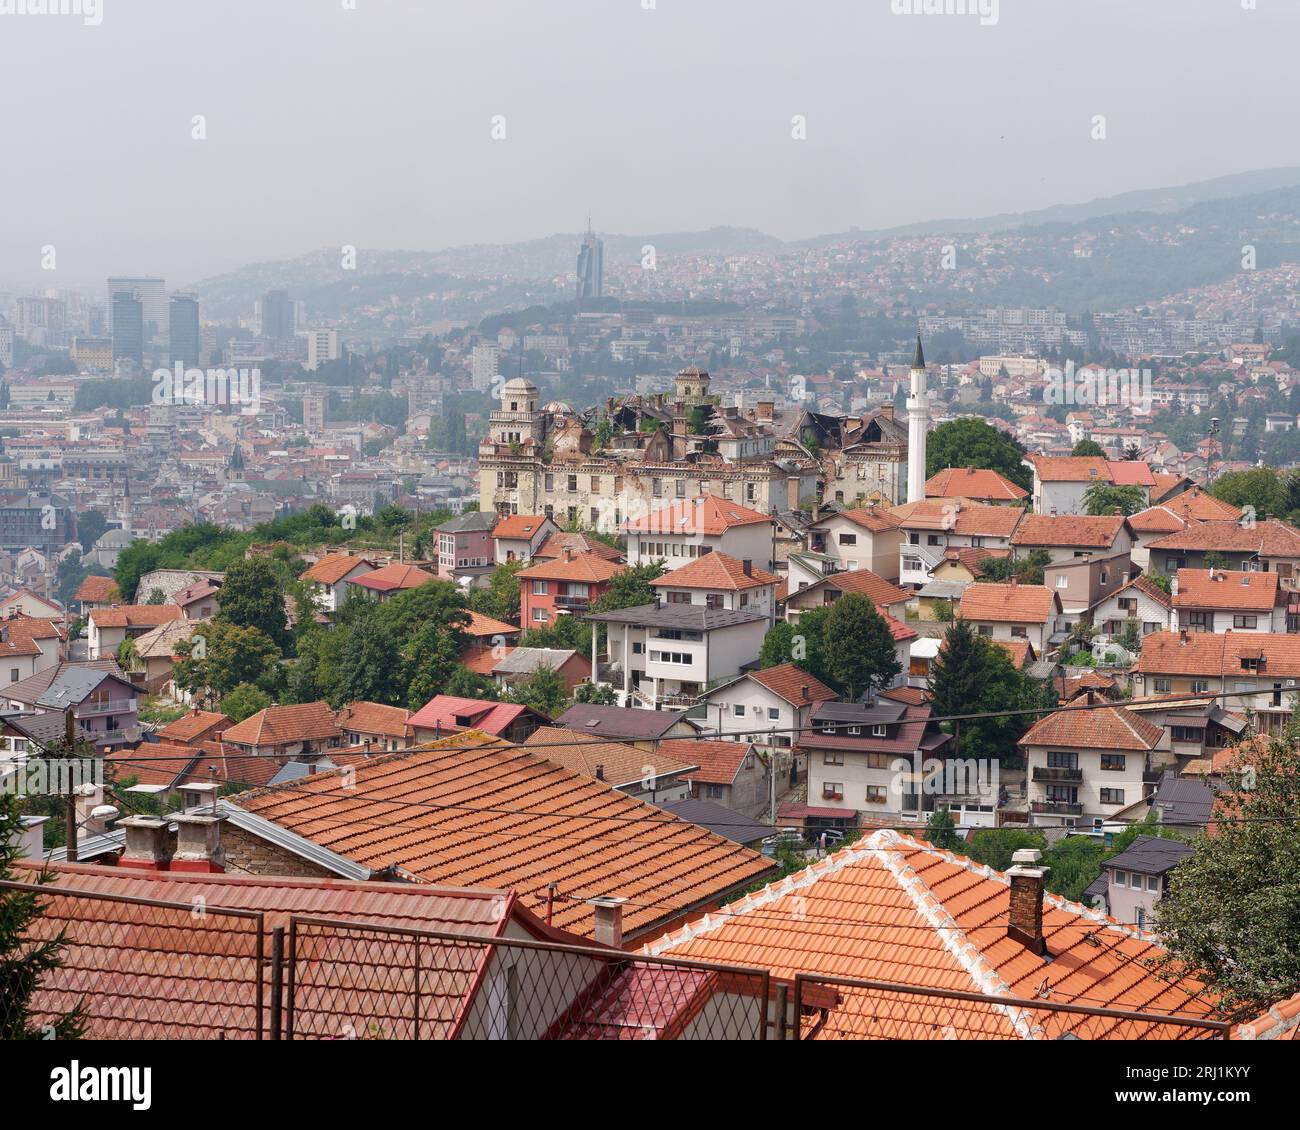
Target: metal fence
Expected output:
[141,968]
[846,1009]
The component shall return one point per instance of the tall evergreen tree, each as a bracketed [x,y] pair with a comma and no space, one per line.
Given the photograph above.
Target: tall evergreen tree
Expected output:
[860,651]
[251,597]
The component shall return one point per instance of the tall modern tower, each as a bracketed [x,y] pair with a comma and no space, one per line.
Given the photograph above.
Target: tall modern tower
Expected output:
[591,266]
[183,320]
[278,316]
[128,327]
[918,424]
[152,293]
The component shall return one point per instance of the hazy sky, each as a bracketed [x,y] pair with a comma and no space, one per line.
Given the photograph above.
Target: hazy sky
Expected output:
[372,126]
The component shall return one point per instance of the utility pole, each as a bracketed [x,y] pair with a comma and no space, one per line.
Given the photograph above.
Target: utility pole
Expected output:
[70,800]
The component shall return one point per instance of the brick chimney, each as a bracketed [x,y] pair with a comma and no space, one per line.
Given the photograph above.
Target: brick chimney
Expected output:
[148,844]
[765,410]
[198,843]
[609,921]
[600,772]
[568,553]
[1028,879]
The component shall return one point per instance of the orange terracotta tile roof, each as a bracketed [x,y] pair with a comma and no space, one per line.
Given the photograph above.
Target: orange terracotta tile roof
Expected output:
[793,684]
[864,582]
[973,482]
[912,696]
[1280,1022]
[482,659]
[621,765]
[374,718]
[554,546]
[519,527]
[1111,727]
[1008,603]
[1163,484]
[481,626]
[116,969]
[588,567]
[715,571]
[1219,654]
[1268,539]
[135,615]
[718,762]
[875,518]
[1236,591]
[279,725]
[1071,468]
[471,811]
[192,725]
[1130,472]
[1068,530]
[393,577]
[333,567]
[705,515]
[442,712]
[97,590]
[964,520]
[1202,506]
[1156,520]
[897,910]
[1018,650]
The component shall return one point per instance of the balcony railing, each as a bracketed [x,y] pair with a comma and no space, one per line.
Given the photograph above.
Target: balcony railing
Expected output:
[125,706]
[1056,773]
[1056,808]
[573,603]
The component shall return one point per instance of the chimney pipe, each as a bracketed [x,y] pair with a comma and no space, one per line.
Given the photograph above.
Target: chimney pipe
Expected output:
[198,843]
[609,921]
[1028,880]
[148,846]
[600,772]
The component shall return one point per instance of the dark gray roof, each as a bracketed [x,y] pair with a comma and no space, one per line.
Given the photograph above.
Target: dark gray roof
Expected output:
[719,820]
[620,722]
[683,616]
[1150,855]
[883,710]
[466,523]
[1182,801]
[526,660]
[45,728]
[1098,888]
[73,684]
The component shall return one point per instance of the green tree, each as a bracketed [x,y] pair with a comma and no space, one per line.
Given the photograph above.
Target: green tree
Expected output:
[595,694]
[801,643]
[465,683]
[219,656]
[1231,915]
[544,691]
[859,647]
[1089,447]
[1072,864]
[941,831]
[244,701]
[1260,487]
[500,599]
[251,597]
[24,961]
[369,668]
[1103,499]
[91,526]
[995,847]
[970,442]
[630,588]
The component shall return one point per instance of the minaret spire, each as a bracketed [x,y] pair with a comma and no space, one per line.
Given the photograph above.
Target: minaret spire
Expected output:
[918,426]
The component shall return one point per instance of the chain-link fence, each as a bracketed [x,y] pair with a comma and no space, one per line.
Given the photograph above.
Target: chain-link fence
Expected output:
[837,1008]
[351,981]
[140,968]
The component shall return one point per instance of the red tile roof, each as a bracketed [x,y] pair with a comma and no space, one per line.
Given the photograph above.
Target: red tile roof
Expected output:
[864,582]
[281,725]
[1268,539]
[705,515]
[1008,603]
[134,615]
[893,909]
[620,765]
[1217,589]
[501,816]
[485,626]
[519,527]
[715,571]
[1068,530]
[588,567]
[962,519]
[554,546]
[393,577]
[718,762]
[1071,468]
[374,718]
[793,684]
[441,712]
[97,590]
[1216,655]
[1111,727]
[193,725]
[974,482]
[333,567]
[875,518]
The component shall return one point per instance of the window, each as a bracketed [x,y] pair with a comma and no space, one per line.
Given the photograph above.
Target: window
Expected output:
[595,484]
[833,790]
[1113,762]
[1019,633]
[539,588]
[541,614]
[829,758]
[1185,734]
[774,714]
[1062,581]
[714,792]
[879,731]
[681,488]
[1112,796]
[1163,686]
[1058,760]
[13,674]
[738,711]
[848,539]
[877,794]
[1142,918]
[1245,621]
[573,483]
[1153,883]
[1119,878]
[855,729]
[1200,686]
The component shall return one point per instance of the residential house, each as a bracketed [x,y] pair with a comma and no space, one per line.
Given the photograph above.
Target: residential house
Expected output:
[1081,582]
[1062,482]
[1013,611]
[1212,600]
[978,484]
[1087,766]
[375,726]
[683,531]
[729,773]
[26,603]
[1269,546]
[1066,537]
[195,727]
[446,714]
[644,729]
[490,641]
[103,701]
[200,600]
[1141,603]
[287,732]
[331,577]
[866,761]
[882,593]
[108,628]
[660,780]
[466,554]
[577,543]
[156,654]
[563,587]
[1132,882]
[392,580]
[659,655]
[518,537]
[931,527]
[519,664]
[869,538]
[719,580]
[669,872]
[96,592]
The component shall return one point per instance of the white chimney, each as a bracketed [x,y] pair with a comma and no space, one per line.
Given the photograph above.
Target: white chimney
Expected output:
[609,921]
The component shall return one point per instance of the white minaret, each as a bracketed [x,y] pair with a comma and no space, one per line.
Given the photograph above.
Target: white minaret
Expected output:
[918,424]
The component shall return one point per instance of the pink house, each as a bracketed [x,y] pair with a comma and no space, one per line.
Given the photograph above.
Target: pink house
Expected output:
[465,548]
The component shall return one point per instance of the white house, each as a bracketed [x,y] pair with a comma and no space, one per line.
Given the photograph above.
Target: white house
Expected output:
[688,529]
[331,576]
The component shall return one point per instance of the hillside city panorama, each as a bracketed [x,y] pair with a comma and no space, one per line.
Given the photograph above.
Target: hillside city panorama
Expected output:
[482,564]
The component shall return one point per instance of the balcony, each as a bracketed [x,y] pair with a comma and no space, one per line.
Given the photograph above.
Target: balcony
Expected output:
[1055,808]
[572,603]
[1056,773]
[89,709]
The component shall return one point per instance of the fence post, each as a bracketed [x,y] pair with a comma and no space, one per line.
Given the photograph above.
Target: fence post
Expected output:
[293,968]
[782,995]
[277,980]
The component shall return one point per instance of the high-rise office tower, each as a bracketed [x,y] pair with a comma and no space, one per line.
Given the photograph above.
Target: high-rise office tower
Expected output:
[6,343]
[183,330]
[152,293]
[591,266]
[128,327]
[322,346]
[483,367]
[278,321]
